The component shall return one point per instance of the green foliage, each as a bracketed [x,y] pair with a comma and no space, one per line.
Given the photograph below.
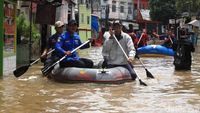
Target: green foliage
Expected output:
[23,28]
[191,6]
[162,10]
[21,25]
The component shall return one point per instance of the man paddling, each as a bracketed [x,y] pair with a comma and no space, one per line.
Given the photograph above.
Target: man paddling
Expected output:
[50,45]
[112,53]
[67,42]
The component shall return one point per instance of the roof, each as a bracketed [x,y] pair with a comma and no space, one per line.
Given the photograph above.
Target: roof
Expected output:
[195,23]
[145,14]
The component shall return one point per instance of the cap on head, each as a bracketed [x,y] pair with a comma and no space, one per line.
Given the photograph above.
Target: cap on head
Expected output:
[117,22]
[72,22]
[59,24]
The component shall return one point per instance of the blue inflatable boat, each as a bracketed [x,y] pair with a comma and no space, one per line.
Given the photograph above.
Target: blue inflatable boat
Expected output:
[155,49]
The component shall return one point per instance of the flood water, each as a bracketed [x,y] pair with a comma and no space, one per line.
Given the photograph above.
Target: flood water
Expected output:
[170,92]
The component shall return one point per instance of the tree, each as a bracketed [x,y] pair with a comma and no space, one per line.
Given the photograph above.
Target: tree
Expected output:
[23,29]
[162,10]
[190,6]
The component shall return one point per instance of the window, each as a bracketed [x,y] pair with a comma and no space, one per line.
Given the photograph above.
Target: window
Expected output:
[82,18]
[88,20]
[88,3]
[81,1]
[113,6]
[121,7]
[129,8]
[135,6]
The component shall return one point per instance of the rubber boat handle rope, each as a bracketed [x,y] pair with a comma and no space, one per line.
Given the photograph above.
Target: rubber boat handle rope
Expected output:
[141,82]
[46,71]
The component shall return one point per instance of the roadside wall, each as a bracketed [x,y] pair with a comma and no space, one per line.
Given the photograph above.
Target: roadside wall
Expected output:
[8,36]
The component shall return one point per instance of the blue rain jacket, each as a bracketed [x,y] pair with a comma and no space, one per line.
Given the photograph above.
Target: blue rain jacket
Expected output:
[69,42]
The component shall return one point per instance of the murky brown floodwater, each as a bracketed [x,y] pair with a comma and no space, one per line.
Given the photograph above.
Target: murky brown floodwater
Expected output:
[170,92]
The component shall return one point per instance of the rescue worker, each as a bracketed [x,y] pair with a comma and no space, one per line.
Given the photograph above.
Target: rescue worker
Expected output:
[67,42]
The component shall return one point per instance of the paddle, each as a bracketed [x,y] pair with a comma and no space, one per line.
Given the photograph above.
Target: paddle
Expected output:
[149,75]
[141,82]
[50,68]
[170,39]
[140,39]
[21,70]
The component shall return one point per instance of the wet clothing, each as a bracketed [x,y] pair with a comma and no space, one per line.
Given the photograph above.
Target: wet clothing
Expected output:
[183,57]
[113,54]
[69,42]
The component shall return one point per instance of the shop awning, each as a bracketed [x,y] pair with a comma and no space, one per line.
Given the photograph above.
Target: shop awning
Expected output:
[194,23]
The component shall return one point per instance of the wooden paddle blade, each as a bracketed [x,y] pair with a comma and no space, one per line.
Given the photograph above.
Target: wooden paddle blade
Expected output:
[21,70]
[142,83]
[149,75]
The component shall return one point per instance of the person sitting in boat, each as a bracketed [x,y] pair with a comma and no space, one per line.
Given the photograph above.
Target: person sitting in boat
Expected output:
[67,42]
[112,53]
[133,35]
[143,39]
[50,45]
[134,38]
[169,38]
[183,49]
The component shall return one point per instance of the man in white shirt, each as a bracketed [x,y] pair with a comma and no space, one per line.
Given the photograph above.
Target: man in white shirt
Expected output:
[112,53]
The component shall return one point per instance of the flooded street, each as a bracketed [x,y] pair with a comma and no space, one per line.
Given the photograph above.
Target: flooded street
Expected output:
[170,92]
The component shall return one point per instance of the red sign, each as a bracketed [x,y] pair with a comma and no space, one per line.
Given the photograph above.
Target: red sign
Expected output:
[9,19]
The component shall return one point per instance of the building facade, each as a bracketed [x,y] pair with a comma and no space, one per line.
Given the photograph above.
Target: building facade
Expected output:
[118,9]
[84,19]
[141,4]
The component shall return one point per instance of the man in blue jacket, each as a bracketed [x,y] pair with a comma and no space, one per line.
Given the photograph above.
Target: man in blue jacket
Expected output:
[67,42]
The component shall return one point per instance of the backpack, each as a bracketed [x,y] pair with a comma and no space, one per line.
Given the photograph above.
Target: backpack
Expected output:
[179,56]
